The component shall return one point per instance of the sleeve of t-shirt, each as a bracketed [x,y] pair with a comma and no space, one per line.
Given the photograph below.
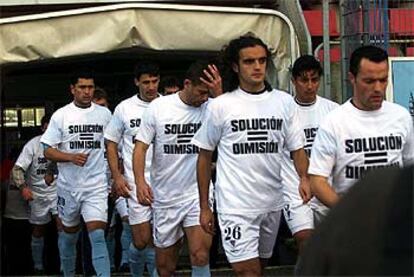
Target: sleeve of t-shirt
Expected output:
[115,128]
[323,155]
[147,129]
[408,151]
[25,158]
[295,138]
[53,134]
[208,136]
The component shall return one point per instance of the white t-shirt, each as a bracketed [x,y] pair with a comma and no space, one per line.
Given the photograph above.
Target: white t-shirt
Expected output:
[77,130]
[34,163]
[170,124]
[351,141]
[122,129]
[309,119]
[250,132]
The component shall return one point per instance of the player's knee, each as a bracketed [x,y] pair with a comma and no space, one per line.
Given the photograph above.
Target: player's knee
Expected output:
[247,269]
[199,257]
[165,267]
[140,244]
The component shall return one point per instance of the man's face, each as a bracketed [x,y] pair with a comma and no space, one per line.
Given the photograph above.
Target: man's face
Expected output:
[101,102]
[369,85]
[251,68]
[83,92]
[197,94]
[306,86]
[148,87]
[171,90]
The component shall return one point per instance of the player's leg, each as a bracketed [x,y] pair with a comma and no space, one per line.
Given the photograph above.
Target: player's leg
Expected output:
[39,218]
[38,242]
[269,228]
[299,218]
[69,213]
[94,211]
[110,240]
[167,259]
[199,242]
[168,234]
[126,235]
[141,249]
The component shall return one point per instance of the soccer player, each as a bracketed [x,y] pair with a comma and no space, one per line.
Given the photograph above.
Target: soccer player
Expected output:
[100,97]
[169,123]
[169,85]
[364,133]
[124,125]
[300,217]
[74,139]
[28,175]
[250,125]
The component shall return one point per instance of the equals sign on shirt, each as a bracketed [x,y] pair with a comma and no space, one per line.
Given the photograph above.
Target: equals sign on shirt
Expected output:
[375,158]
[86,137]
[184,138]
[257,136]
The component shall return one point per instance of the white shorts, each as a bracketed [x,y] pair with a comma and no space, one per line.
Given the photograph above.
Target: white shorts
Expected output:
[319,215]
[169,222]
[92,205]
[42,208]
[137,213]
[121,207]
[298,217]
[248,236]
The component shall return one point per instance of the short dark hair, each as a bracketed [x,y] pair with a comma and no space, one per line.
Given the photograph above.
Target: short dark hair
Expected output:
[370,52]
[169,81]
[231,55]
[146,67]
[45,119]
[84,73]
[306,63]
[196,70]
[100,93]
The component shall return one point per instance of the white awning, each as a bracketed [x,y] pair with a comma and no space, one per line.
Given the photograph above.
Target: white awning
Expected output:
[149,26]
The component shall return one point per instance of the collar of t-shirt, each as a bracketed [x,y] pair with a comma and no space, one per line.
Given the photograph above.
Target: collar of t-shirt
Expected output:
[307,106]
[360,112]
[83,110]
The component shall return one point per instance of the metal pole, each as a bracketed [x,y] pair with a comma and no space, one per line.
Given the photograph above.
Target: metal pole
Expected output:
[326,53]
[344,47]
[365,22]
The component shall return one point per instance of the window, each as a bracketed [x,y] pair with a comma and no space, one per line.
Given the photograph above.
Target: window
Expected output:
[29,117]
[10,118]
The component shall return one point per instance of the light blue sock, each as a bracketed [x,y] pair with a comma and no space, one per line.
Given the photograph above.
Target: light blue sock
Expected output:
[67,251]
[150,261]
[200,271]
[110,243]
[126,238]
[100,258]
[136,260]
[37,252]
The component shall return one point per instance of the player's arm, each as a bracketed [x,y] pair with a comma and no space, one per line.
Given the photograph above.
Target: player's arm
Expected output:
[121,186]
[301,162]
[51,171]
[323,191]
[203,178]
[56,155]
[19,181]
[144,191]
